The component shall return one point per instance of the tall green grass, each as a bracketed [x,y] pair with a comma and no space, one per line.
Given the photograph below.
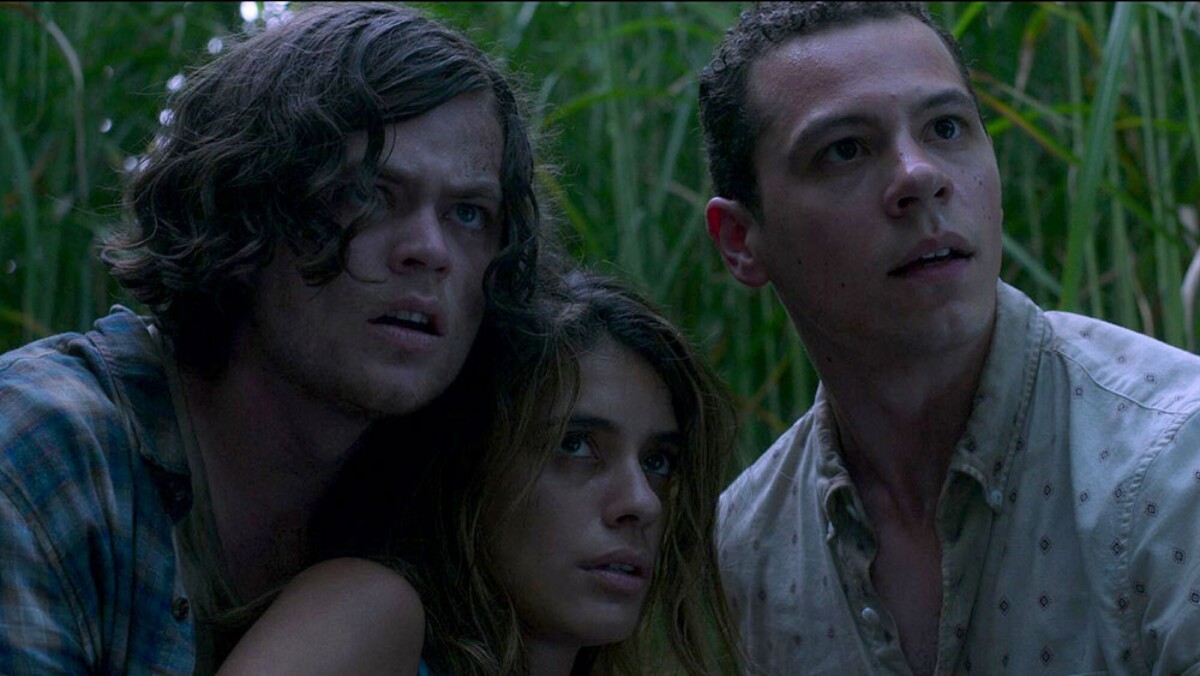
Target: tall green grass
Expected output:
[1092,106]
[81,87]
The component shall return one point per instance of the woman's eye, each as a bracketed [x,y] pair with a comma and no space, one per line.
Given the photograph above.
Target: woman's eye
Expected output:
[575,445]
[659,462]
[844,150]
[947,128]
[469,215]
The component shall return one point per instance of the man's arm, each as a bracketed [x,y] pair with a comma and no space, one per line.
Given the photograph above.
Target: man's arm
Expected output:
[87,569]
[347,616]
[40,623]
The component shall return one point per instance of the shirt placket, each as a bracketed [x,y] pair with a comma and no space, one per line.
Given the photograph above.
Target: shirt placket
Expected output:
[854,548]
[964,526]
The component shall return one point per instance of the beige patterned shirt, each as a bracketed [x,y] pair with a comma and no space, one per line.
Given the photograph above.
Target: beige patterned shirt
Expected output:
[1069,521]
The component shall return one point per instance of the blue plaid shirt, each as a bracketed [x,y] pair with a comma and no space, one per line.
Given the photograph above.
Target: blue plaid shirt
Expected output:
[92,479]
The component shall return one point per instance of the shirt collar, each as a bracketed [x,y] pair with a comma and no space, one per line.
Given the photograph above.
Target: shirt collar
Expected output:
[991,440]
[136,361]
[833,479]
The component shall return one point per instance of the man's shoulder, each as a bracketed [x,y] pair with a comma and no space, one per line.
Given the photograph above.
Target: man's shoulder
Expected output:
[1129,433]
[1127,363]
[86,527]
[1132,424]
[64,404]
[69,375]
[772,475]
[119,340]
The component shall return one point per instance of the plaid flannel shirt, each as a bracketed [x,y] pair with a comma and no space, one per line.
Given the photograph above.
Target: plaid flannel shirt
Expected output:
[92,479]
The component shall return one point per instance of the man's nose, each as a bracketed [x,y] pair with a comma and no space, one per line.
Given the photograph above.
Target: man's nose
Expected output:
[918,181]
[419,242]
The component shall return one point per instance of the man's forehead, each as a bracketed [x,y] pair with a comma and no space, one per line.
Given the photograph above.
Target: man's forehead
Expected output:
[474,149]
[801,69]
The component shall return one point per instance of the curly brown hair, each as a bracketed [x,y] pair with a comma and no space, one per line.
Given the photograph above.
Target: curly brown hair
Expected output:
[255,149]
[731,126]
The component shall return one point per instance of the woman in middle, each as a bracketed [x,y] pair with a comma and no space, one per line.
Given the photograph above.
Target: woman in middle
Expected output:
[575,537]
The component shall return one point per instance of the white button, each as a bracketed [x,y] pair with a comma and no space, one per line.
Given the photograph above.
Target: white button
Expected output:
[996,498]
[870,616]
[829,531]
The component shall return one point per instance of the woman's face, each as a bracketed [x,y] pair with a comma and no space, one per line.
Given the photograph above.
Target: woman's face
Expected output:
[577,557]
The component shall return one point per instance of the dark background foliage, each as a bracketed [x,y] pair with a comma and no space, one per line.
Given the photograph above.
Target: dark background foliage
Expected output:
[1093,108]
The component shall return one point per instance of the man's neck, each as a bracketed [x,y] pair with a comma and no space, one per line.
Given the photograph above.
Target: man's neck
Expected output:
[900,412]
[270,453]
[899,417]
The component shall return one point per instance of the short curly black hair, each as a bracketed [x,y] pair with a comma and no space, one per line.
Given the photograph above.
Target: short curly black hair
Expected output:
[731,126]
[254,152]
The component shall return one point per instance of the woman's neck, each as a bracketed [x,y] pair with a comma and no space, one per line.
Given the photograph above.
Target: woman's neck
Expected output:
[550,658]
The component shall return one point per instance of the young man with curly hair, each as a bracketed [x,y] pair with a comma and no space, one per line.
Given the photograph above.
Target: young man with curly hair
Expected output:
[313,235]
[979,486]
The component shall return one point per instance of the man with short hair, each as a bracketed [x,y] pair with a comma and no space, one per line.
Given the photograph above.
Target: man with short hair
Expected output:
[979,485]
[313,235]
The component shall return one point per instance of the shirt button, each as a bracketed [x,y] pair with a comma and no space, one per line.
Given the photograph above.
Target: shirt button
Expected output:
[870,616]
[180,607]
[995,498]
[829,532]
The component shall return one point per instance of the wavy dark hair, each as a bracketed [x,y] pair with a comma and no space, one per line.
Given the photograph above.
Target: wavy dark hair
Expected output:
[731,125]
[473,626]
[255,149]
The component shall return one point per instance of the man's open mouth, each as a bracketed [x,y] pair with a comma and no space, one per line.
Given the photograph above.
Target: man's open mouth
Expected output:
[406,319]
[932,258]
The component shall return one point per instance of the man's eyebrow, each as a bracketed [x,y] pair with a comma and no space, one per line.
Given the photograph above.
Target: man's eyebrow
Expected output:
[944,98]
[488,189]
[483,186]
[823,126]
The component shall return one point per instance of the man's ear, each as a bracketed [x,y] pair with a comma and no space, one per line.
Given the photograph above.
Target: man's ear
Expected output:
[729,224]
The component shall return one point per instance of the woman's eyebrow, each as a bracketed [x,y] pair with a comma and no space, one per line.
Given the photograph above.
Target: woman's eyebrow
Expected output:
[591,422]
[672,437]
